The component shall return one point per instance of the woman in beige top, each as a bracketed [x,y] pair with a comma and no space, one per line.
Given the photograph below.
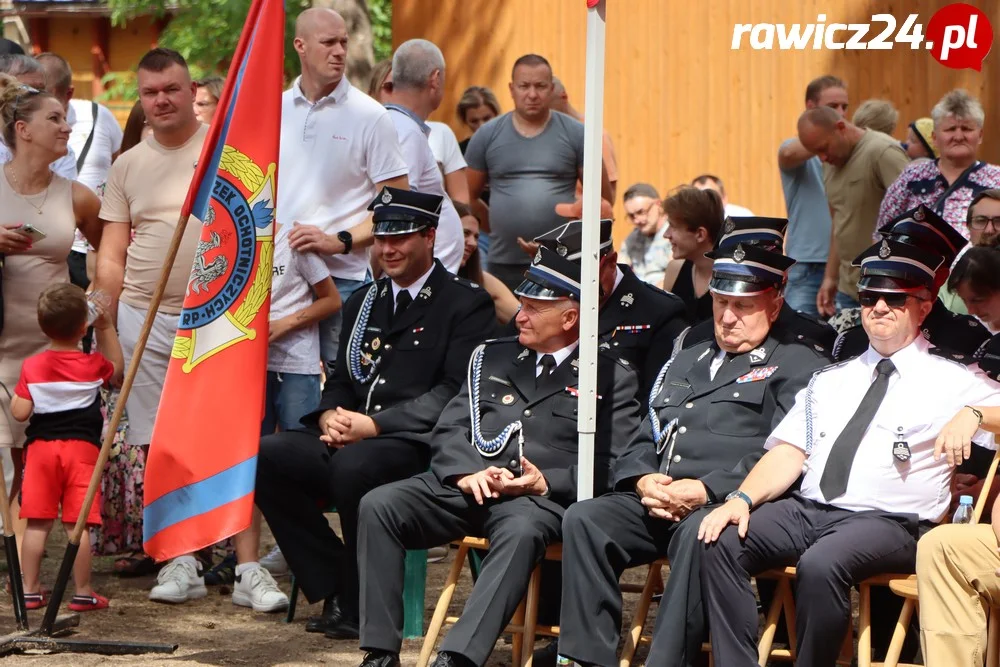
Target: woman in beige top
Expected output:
[34,129]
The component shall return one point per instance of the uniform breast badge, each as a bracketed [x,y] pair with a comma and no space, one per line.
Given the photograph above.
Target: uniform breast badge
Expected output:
[900,448]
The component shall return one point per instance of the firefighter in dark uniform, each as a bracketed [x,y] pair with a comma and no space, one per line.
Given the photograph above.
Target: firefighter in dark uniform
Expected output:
[713,407]
[403,353]
[637,321]
[792,325]
[958,335]
[503,467]
[988,357]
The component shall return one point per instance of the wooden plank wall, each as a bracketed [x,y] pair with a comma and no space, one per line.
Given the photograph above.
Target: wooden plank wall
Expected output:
[679,101]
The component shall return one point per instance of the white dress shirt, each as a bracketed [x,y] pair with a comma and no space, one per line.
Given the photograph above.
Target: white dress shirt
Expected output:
[924,393]
[414,288]
[560,356]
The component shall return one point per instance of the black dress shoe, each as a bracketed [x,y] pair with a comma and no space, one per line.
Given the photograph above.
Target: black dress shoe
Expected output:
[331,618]
[547,655]
[346,628]
[449,659]
[380,659]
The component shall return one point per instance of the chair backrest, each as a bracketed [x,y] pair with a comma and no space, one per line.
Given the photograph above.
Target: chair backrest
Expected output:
[977,511]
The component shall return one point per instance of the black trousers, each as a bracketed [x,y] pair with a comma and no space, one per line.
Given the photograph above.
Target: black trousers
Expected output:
[832,549]
[419,513]
[77,262]
[603,537]
[298,477]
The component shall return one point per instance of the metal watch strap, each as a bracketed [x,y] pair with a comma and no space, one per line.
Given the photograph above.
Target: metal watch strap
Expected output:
[979,415]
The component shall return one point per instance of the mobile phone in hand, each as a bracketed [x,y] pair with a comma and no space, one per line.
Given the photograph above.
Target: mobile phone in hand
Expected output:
[32,231]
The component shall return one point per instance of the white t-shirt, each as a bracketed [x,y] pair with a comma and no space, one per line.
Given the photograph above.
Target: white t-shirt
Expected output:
[293,276]
[333,153]
[737,211]
[426,177]
[107,141]
[444,145]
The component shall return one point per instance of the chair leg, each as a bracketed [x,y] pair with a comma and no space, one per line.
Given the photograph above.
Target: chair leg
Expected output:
[441,610]
[993,639]
[771,622]
[531,616]
[864,625]
[641,613]
[414,584]
[899,633]
[788,609]
[293,599]
[517,637]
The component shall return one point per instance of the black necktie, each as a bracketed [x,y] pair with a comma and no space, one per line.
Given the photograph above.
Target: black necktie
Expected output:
[548,362]
[838,465]
[403,300]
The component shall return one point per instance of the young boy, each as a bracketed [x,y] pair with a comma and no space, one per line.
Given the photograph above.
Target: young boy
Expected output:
[59,392]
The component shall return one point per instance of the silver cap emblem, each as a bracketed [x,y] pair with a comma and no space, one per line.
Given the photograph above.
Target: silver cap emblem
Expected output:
[885,250]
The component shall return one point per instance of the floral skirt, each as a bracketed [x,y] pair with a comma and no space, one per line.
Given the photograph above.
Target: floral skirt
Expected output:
[121,489]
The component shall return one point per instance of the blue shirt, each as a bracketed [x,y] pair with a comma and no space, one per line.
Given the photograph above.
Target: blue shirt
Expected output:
[808,235]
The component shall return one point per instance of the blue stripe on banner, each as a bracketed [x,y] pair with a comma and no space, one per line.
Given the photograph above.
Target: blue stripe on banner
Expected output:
[198,498]
[200,205]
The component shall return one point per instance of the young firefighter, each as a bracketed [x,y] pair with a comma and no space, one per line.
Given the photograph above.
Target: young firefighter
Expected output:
[58,391]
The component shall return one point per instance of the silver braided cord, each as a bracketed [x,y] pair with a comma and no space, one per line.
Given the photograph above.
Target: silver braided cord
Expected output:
[488,448]
[809,413]
[659,435]
[354,352]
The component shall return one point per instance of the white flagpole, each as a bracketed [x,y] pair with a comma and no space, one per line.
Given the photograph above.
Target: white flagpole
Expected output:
[589,305]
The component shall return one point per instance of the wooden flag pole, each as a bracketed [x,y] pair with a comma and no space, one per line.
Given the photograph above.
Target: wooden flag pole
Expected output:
[73,545]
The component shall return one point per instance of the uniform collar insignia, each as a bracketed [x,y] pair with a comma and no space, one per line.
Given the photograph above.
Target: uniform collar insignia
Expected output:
[628,300]
[757,355]
[523,355]
[926,333]
[705,353]
[538,256]
[884,251]
[575,363]
[385,288]
[425,292]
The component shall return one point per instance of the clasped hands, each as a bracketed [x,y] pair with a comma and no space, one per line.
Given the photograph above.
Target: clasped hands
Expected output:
[343,427]
[670,499]
[494,482]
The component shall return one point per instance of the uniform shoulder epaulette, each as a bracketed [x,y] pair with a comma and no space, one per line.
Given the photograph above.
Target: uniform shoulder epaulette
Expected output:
[501,339]
[988,356]
[465,282]
[960,358]
[608,353]
[830,367]
[959,333]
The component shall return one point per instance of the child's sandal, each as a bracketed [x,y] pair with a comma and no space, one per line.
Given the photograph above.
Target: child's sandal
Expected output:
[87,602]
[34,600]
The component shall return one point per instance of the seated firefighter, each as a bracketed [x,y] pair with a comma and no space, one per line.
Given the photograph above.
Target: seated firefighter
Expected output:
[402,357]
[862,439]
[504,467]
[711,409]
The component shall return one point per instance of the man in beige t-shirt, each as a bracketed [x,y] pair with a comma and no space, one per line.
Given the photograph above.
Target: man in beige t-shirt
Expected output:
[861,164]
[145,190]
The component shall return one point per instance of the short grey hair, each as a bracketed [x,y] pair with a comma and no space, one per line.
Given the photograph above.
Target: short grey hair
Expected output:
[960,104]
[18,64]
[414,62]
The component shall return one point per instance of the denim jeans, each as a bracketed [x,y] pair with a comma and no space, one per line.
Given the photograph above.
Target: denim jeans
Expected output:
[290,397]
[804,280]
[329,329]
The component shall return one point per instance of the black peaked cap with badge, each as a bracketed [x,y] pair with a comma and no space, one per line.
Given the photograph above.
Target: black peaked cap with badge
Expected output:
[396,211]
[792,326]
[550,277]
[924,228]
[892,266]
[638,322]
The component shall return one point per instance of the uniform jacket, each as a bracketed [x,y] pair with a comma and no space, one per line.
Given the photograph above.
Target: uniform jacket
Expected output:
[792,326]
[722,423]
[422,357]
[548,415]
[960,335]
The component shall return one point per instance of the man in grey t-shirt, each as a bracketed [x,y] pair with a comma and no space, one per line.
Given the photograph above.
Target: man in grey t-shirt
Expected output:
[532,158]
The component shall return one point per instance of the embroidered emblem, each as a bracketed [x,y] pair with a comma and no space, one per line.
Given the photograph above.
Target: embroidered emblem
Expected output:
[562,250]
[627,301]
[730,226]
[425,293]
[757,355]
[740,254]
[507,399]
[884,251]
[376,343]
[386,197]
[757,374]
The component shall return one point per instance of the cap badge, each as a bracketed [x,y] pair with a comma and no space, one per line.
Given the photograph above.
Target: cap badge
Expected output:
[507,399]
[628,300]
[919,215]
[538,257]
[386,197]
[740,254]
[730,226]
[885,250]
[562,250]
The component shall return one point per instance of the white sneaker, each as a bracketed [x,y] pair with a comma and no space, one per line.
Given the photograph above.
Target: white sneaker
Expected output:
[256,588]
[275,563]
[178,582]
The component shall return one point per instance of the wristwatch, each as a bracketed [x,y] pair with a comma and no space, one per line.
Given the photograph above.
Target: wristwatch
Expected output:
[347,240]
[742,496]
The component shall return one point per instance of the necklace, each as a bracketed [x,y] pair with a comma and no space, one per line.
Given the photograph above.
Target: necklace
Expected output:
[17,187]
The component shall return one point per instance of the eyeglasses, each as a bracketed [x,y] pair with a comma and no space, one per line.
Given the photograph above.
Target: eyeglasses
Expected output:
[643,213]
[980,222]
[869,299]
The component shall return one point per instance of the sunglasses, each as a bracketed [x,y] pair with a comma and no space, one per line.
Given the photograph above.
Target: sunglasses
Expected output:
[869,299]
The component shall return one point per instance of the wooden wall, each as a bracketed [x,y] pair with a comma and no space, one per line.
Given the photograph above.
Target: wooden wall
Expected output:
[678,100]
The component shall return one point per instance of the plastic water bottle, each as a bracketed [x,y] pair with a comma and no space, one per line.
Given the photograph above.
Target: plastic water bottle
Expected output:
[964,512]
[562,662]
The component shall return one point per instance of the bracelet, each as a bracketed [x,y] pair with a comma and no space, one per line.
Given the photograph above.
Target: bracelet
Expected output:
[979,414]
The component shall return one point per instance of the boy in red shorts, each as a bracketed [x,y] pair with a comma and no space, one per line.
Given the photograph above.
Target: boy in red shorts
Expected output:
[59,390]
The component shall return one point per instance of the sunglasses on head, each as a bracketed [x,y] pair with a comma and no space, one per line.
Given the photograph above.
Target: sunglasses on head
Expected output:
[868,298]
